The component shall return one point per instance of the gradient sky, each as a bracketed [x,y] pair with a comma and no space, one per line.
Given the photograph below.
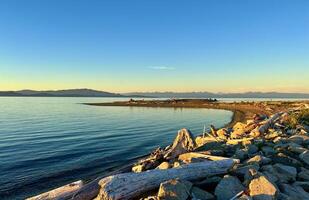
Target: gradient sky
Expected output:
[125,46]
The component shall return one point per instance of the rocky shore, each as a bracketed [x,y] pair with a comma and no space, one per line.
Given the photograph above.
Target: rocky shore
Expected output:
[263,156]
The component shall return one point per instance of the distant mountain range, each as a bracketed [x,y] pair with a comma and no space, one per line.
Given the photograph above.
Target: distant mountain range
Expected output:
[96,93]
[219,95]
[61,93]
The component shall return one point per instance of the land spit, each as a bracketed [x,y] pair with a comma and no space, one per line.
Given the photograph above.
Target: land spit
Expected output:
[241,110]
[262,154]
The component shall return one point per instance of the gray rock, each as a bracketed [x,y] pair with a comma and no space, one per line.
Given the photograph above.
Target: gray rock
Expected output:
[299,139]
[268,151]
[174,190]
[163,165]
[286,160]
[211,145]
[303,174]
[294,192]
[228,187]
[242,170]
[287,173]
[252,149]
[305,157]
[241,154]
[258,159]
[209,182]
[296,148]
[262,189]
[303,184]
[271,177]
[138,168]
[282,196]
[199,194]
[249,176]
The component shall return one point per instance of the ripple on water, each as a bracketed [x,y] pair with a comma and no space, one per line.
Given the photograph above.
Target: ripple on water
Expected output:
[48,142]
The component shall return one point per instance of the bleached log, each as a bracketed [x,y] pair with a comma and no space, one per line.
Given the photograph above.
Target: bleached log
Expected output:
[90,190]
[237,141]
[59,193]
[184,142]
[201,154]
[187,157]
[131,185]
[268,123]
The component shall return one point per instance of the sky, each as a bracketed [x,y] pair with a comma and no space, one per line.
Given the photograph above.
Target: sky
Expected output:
[155,45]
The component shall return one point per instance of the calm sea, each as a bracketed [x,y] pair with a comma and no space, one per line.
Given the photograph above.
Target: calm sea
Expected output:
[46,142]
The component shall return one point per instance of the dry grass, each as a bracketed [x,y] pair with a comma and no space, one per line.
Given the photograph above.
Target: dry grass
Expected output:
[301,117]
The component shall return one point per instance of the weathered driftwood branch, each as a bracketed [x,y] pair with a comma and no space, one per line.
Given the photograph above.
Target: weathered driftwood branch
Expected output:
[263,128]
[59,193]
[202,154]
[184,142]
[90,190]
[237,141]
[130,185]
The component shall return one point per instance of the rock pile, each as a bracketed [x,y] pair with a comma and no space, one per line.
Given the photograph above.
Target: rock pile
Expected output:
[274,161]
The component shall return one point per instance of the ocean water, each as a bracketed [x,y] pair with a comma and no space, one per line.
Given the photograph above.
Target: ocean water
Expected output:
[46,142]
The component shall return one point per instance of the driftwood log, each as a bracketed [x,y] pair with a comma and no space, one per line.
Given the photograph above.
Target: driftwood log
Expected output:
[59,193]
[131,185]
[184,142]
[268,123]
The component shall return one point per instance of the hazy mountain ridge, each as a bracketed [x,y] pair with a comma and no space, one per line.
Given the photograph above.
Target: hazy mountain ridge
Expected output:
[61,93]
[96,93]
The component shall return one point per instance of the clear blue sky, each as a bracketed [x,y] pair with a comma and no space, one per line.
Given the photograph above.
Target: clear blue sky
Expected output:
[122,46]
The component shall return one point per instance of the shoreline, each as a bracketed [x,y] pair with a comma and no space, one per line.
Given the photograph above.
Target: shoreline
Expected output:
[242,111]
[256,124]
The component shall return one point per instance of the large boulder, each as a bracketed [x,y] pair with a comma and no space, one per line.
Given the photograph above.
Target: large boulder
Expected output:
[286,160]
[174,190]
[262,189]
[294,192]
[228,187]
[184,142]
[303,184]
[303,174]
[272,174]
[289,173]
[210,145]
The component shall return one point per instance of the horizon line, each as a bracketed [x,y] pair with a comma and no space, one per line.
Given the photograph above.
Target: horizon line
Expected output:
[250,91]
